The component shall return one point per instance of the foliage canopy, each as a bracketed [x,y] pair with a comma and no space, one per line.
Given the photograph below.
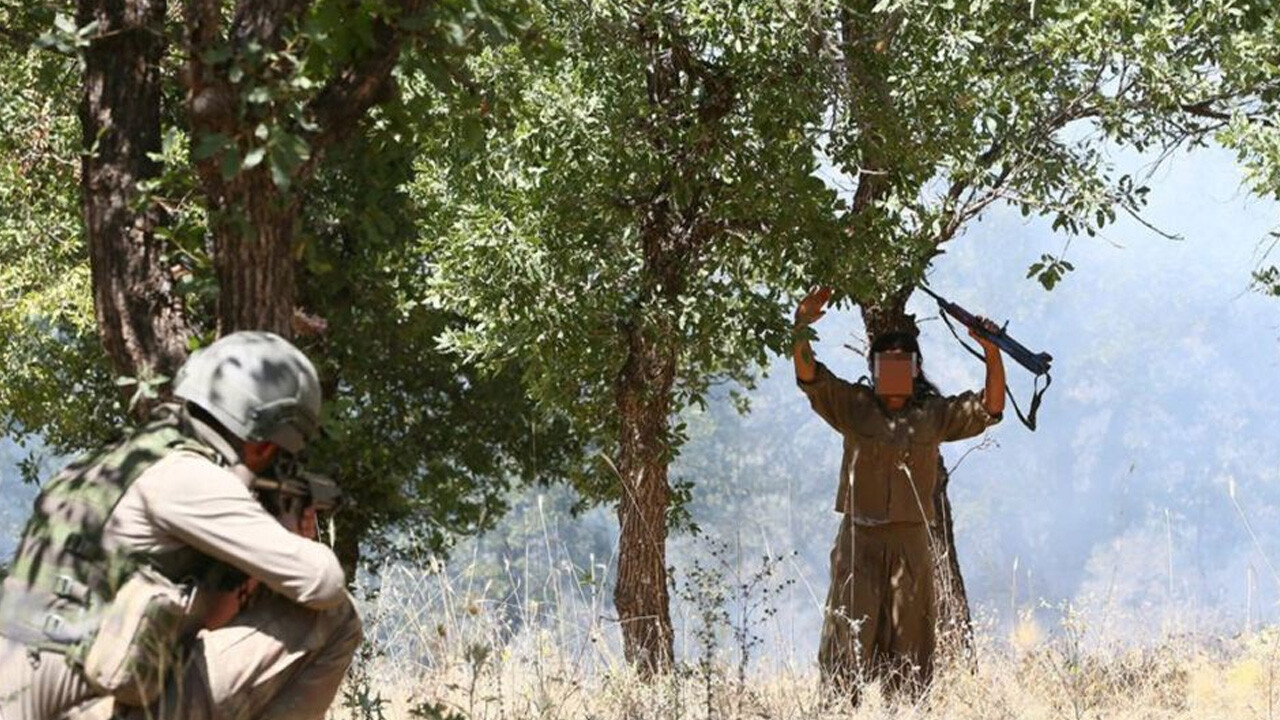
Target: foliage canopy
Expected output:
[418,440]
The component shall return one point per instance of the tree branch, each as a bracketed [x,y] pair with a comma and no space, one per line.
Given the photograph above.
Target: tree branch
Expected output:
[345,100]
[867,89]
[1205,109]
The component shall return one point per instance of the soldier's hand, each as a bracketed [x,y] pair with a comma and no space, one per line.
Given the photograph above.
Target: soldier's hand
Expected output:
[309,525]
[811,308]
[301,521]
[991,328]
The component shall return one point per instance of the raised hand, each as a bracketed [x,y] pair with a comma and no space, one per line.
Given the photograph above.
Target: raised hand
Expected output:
[812,307]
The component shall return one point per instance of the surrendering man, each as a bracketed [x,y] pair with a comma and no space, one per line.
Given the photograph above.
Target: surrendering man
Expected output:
[880,613]
[151,582]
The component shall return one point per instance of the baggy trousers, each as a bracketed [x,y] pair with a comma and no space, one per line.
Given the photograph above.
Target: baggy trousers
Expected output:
[275,660]
[880,615]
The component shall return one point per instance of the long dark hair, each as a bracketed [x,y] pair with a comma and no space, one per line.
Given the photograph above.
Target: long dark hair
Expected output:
[904,342]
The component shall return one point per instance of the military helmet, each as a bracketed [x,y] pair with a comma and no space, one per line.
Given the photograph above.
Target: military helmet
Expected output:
[257,385]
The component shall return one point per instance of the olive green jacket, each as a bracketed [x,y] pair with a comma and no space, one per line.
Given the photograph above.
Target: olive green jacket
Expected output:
[890,467]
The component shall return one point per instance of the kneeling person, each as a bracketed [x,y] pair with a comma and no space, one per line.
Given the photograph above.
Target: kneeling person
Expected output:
[129,594]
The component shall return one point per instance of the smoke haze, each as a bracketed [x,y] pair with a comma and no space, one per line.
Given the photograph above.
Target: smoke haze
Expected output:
[1149,498]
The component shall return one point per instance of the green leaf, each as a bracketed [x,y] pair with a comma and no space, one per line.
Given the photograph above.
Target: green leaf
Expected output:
[231,162]
[286,153]
[65,23]
[210,144]
[280,176]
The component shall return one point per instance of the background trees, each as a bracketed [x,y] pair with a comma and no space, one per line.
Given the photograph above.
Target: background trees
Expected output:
[519,241]
[638,194]
[207,204]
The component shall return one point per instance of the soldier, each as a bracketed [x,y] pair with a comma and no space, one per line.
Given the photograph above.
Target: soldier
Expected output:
[880,615]
[132,591]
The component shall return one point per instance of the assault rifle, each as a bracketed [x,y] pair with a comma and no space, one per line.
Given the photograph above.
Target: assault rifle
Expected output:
[286,491]
[1035,363]
[306,488]
[288,495]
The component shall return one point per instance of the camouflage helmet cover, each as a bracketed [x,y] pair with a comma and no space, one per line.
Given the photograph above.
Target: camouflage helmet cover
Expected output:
[257,385]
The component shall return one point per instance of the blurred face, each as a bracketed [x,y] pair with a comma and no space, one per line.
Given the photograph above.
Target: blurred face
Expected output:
[895,373]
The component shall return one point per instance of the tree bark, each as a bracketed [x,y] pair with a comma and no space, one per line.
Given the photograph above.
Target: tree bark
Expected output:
[141,320]
[253,219]
[641,596]
[671,239]
[253,257]
[955,624]
[954,620]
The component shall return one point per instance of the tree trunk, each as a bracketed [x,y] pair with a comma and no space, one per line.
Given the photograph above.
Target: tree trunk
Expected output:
[254,257]
[346,544]
[254,221]
[888,315]
[954,624]
[644,405]
[141,321]
[251,219]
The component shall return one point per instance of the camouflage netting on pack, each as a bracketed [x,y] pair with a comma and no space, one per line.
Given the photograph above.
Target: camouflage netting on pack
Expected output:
[63,582]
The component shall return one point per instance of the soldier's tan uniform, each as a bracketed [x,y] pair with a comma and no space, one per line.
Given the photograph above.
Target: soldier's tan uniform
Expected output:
[880,607]
[283,657]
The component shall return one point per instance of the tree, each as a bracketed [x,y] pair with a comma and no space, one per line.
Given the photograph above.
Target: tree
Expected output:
[637,189]
[609,175]
[268,88]
[1251,125]
[947,109]
[430,447]
[53,365]
[256,189]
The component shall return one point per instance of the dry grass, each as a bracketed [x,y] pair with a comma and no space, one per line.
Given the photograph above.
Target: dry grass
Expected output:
[443,647]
